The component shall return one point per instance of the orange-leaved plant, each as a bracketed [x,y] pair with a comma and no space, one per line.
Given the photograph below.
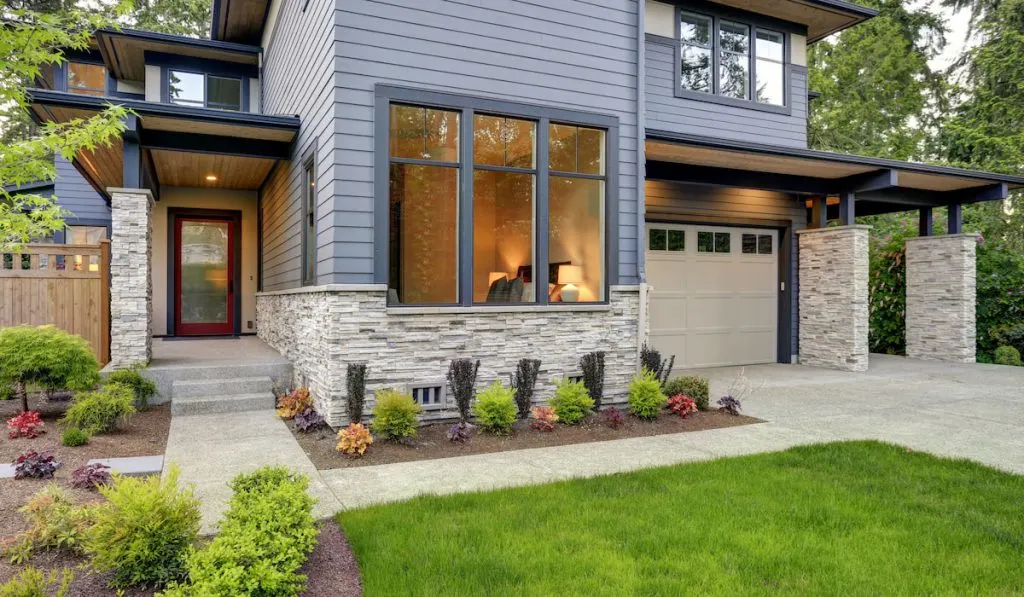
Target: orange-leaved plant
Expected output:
[293,403]
[544,418]
[354,440]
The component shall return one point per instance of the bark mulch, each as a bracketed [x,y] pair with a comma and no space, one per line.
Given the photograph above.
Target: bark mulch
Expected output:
[431,441]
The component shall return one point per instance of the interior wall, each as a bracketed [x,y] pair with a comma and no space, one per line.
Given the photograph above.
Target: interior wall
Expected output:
[217,199]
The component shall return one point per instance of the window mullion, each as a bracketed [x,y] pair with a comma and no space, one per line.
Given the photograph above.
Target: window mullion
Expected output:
[714,55]
[540,261]
[752,63]
[465,218]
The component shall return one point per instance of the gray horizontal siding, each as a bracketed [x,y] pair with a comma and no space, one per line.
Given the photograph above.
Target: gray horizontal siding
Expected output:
[667,112]
[298,78]
[75,194]
[669,201]
[569,54]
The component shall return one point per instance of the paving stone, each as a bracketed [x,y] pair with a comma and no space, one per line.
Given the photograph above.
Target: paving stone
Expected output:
[6,471]
[133,466]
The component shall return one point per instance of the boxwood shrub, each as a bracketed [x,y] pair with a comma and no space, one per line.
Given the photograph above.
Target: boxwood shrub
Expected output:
[266,535]
[694,386]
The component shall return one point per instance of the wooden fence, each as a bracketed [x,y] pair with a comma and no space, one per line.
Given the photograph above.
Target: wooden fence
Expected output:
[64,285]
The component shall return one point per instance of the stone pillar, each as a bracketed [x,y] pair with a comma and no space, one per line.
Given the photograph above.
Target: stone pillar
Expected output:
[941,296]
[834,297]
[131,277]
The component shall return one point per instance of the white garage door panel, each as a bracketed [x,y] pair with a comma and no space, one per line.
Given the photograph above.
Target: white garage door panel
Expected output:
[713,309]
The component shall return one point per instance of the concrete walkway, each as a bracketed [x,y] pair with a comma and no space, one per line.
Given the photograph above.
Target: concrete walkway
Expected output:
[969,411]
[211,449]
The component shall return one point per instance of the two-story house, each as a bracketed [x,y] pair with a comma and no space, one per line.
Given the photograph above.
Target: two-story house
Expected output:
[404,182]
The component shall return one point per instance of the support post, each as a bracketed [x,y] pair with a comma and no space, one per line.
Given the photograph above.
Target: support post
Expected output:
[941,298]
[131,277]
[955,222]
[924,222]
[847,210]
[819,212]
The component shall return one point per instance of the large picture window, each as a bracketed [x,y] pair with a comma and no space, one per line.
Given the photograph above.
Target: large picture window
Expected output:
[515,217]
[731,59]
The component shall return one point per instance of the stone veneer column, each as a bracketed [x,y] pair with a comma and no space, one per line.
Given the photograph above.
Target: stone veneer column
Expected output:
[941,297]
[834,297]
[131,277]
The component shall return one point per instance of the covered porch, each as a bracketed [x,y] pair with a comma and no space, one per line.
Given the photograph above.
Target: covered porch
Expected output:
[183,184]
[795,210]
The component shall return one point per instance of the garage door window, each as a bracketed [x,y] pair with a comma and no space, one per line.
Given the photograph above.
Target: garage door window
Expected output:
[659,239]
[757,244]
[714,242]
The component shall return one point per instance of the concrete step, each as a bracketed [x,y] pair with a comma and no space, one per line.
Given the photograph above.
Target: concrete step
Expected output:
[235,403]
[165,376]
[214,388]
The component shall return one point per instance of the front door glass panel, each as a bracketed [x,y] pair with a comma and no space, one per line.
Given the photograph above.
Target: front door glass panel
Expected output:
[205,277]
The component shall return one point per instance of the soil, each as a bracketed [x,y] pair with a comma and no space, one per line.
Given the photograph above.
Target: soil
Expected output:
[432,442]
[332,569]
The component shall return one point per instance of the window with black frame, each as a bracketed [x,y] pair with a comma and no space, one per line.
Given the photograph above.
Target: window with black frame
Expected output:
[202,90]
[731,59]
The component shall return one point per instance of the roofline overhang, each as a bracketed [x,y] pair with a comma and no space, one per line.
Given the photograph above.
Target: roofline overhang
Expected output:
[983,178]
[857,12]
[209,44]
[218,22]
[63,99]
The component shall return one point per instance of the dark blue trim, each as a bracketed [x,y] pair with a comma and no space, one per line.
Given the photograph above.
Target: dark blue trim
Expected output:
[198,143]
[143,108]
[925,222]
[211,44]
[34,187]
[955,219]
[85,57]
[208,66]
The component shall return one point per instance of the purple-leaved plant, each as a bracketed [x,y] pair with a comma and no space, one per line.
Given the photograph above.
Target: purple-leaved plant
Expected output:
[91,476]
[35,465]
[729,405]
[460,432]
[308,420]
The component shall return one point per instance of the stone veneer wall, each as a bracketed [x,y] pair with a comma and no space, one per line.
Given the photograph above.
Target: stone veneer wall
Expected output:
[941,297]
[323,330]
[834,297]
[131,277]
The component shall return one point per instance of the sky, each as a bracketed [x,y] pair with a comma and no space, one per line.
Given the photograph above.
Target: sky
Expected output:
[956,38]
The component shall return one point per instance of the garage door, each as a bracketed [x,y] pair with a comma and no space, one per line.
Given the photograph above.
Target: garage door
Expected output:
[714,294]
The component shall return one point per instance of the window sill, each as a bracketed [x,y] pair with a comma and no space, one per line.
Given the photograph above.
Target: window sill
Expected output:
[484,309]
[699,96]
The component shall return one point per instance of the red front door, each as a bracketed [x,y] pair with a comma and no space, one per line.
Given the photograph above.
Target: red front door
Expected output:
[204,285]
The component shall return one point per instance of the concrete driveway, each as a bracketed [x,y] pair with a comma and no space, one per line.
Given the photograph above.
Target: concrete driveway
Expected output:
[957,410]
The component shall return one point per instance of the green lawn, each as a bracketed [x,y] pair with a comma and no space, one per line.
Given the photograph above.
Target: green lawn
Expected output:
[857,518]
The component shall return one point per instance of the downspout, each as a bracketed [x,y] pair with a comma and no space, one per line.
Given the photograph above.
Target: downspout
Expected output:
[641,171]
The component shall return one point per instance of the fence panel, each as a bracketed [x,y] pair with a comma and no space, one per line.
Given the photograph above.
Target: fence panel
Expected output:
[64,285]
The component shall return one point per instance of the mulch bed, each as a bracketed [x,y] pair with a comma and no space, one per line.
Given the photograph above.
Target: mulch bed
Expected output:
[144,435]
[431,442]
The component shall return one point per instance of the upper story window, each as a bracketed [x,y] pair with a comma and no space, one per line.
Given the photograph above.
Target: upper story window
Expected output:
[87,79]
[202,90]
[731,59]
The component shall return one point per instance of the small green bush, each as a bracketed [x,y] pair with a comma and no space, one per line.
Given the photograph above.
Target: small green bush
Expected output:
[645,396]
[495,408]
[132,377]
[1008,355]
[103,410]
[694,386]
[31,582]
[571,402]
[52,522]
[266,535]
[394,415]
[74,437]
[47,356]
[144,530]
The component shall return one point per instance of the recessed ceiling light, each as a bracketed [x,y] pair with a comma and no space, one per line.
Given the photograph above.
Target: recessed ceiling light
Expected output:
[211,177]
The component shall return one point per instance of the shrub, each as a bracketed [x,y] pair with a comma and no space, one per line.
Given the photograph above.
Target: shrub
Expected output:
[143,387]
[462,379]
[729,405]
[47,356]
[293,403]
[143,531]
[650,359]
[887,296]
[265,537]
[35,465]
[645,396]
[612,417]
[53,522]
[571,401]
[523,383]
[103,410]
[91,476]
[1004,355]
[683,406]
[694,386]
[544,418]
[309,420]
[495,408]
[460,433]
[74,437]
[354,440]
[592,365]
[1000,304]
[30,582]
[28,424]
[394,415]
[355,380]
